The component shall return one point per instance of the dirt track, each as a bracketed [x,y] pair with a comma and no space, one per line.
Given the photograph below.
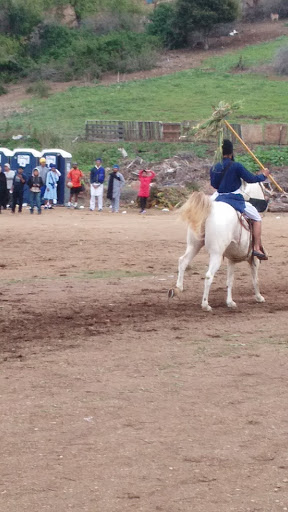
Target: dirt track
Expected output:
[113,398]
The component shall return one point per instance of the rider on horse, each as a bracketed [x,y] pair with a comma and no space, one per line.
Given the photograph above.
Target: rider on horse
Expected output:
[226,178]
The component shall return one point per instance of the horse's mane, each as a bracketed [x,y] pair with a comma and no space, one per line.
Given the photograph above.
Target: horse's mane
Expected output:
[195,212]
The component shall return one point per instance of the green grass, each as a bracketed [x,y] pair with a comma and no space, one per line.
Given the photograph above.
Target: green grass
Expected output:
[184,95]
[255,55]
[84,274]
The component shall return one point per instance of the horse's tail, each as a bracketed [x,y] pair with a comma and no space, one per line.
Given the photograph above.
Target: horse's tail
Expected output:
[195,212]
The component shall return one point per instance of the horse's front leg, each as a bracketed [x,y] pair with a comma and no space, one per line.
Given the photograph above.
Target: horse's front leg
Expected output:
[214,265]
[254,266]
[193,247]
[230,279]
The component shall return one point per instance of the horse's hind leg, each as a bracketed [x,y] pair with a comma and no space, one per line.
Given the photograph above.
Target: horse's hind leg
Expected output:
[214,265]
[193,247]
[254,266]
[230,278]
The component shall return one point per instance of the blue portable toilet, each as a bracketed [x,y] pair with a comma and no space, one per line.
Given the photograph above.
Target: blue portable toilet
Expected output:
[5,155]
[62,159]
[28,159]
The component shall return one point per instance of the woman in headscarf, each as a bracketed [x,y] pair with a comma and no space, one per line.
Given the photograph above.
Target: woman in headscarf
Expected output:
[51,187]
[115,184]
[3,190]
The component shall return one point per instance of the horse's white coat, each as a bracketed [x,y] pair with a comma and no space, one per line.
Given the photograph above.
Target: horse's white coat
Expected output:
[224,237]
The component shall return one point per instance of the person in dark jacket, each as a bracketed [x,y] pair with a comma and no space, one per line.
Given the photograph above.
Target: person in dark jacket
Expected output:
[35,183]
[3,190]
[97,177]
[226,178]
[115,184]
[18,189]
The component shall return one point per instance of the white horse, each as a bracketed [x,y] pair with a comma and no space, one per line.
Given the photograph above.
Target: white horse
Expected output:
[217,226]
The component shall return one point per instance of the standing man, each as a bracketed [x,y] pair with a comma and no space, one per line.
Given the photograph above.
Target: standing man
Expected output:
[97,177]
[43,169]
[74,176]
[3,190]
[115,184]
[18,189]
[9,177]
[35,183]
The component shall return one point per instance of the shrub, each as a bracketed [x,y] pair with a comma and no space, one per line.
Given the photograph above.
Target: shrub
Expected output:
[39,89]
[64,54]
[106,22]
[203,15]
[162,25]
[141,62]
[280,64]
[3,89]
[52,42]
[20,17]
[11,57]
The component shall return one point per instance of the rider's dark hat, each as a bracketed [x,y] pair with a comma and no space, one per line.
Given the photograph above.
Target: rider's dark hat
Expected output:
[227,147]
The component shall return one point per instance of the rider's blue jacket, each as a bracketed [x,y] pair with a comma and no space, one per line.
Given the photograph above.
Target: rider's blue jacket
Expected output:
[226,178]
[232,179]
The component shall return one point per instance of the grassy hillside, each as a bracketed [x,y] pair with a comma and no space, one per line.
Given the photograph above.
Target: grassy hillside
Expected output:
[183,95]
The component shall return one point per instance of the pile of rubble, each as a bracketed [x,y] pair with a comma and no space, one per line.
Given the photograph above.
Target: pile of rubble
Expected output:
[183,170]
[177,176]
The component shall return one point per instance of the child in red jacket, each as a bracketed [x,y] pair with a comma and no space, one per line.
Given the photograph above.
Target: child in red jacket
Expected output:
[145,178]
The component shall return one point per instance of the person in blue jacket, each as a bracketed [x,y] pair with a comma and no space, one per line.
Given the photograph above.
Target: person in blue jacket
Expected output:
[97,177]
[19,181]
[226,177]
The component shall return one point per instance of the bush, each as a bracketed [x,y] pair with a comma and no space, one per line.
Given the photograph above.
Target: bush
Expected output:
[162,25]
[280,64]
[11,58]
[106,22]
[178,24]
[39,89]
[3,89]
[52,42]
[19,18]
[64,54]
[203,15]
[111,51]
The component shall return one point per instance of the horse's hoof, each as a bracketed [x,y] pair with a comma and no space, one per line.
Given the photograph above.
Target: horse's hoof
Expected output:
[260,298]
[206,307]
[232,304]
[173,292]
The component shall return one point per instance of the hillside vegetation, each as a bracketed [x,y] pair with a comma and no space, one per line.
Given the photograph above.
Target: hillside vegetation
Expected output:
[36,43]
[175,97]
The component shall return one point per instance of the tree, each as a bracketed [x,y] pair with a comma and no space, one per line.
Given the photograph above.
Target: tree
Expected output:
[203,15]
[162,25]
[19,17]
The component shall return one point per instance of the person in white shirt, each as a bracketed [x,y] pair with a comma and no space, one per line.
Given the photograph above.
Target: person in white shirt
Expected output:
[9,177]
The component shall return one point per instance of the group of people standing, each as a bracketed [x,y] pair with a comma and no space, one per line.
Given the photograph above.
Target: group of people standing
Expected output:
[116,182]
[44,180]
[97,177]
[42,185]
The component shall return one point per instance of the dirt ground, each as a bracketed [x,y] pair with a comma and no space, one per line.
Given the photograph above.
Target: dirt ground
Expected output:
[170,62]
[114,398]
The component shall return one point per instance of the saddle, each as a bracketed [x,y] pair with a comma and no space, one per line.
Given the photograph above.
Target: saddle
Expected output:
[260,204]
